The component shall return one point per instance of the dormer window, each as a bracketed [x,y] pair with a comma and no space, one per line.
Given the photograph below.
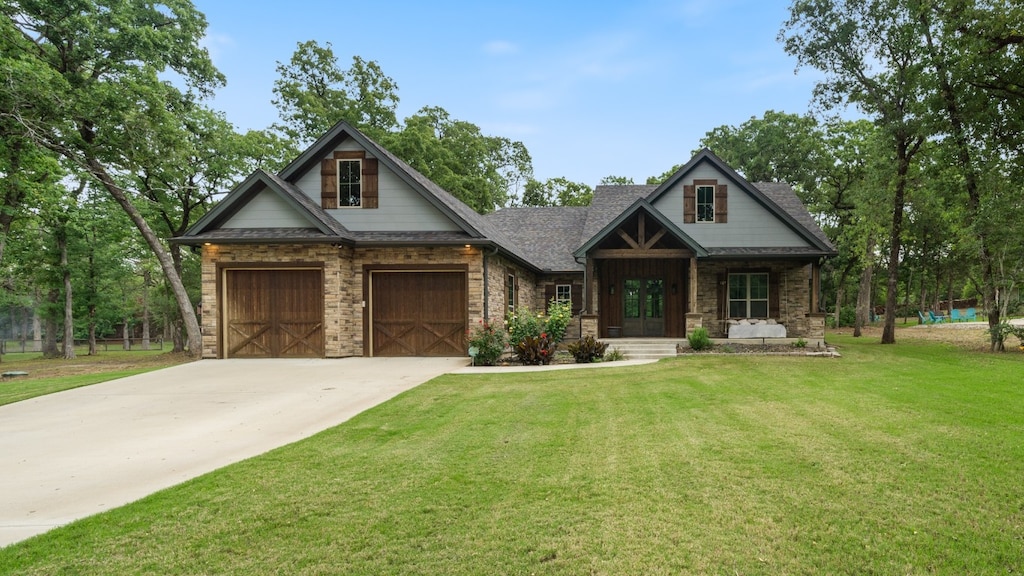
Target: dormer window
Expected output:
[705,203]
[350,183]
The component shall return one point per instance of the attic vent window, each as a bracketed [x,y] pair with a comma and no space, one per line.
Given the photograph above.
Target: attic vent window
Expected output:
[349,183]
[705,203]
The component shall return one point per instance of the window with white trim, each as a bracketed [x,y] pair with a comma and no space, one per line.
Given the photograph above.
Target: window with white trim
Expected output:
[748,295]
[563,293]
[350,174]
[705,203]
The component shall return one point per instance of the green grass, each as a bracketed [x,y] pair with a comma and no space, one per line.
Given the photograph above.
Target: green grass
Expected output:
[901,459]
[49,375]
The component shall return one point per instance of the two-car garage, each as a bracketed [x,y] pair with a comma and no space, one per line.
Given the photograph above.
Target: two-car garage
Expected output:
[279,312]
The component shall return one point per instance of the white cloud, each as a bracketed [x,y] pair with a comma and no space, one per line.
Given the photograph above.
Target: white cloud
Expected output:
[500,47]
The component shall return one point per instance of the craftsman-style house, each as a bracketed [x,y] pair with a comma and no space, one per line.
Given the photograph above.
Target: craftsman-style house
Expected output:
[349,251]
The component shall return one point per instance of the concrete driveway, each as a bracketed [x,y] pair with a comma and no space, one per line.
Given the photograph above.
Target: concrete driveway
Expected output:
[72,454]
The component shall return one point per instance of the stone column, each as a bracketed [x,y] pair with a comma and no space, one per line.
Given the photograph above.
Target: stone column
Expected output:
[588,325]
[694,320]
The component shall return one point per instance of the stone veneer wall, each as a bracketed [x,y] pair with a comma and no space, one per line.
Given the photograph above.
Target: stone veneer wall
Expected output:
[794,297]
[336,310]
[343,283]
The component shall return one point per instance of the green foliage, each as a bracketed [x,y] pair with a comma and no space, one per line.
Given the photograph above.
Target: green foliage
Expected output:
[616,181]
[1000,331]
[556,192]
[558,318]
[614,355]
[522,324]
[699,339]
[486,344]
[586,350]
[800,343]
[313,93]
[535,350]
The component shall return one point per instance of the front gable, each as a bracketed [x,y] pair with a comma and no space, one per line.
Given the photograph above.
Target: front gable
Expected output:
[641,231]
[719,209]
[265,207]
[394,197]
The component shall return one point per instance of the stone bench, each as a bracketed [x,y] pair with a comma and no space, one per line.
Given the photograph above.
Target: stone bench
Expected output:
[756,329]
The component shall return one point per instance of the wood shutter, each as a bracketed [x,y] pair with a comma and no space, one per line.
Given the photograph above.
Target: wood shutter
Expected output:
[773,295]
[577,299]
[549,293]
[328,183]
[369,183]
[689,204]
[723,291]
[721,203]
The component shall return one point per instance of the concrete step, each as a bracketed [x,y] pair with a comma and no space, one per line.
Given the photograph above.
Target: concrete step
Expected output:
[643,348]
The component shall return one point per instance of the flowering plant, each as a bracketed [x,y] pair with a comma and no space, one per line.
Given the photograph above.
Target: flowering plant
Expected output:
[486,344]
[534,351]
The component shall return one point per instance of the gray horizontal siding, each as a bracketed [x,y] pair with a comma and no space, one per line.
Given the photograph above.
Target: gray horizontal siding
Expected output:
[267,210]
[750,224]
[400,208]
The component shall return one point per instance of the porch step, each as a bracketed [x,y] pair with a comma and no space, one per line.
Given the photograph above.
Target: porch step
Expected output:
[643,348]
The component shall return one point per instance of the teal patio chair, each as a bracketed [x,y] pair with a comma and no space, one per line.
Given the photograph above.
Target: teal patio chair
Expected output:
[972,315]
[954,315]
[936,319]
[922,318]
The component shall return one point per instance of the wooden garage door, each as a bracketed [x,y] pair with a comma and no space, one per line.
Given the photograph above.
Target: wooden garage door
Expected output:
[273,314]
[418,313]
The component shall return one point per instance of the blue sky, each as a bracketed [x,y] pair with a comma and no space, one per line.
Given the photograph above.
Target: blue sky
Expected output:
[591,88]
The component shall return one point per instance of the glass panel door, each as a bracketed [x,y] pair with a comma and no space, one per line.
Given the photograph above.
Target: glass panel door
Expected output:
[643,307]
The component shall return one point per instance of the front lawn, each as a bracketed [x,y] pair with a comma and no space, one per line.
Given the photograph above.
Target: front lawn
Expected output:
[901,459]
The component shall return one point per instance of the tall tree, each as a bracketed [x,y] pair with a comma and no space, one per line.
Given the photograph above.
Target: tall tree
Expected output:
[100,62]
[312,93]
[872,56]
[977,107]
[778,147]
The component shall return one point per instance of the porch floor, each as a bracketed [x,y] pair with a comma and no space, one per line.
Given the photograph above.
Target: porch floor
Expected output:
[654,348]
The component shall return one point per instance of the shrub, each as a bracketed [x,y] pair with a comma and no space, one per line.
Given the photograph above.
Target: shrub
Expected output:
[486,344]
[800,343]
[522,324]
[559,316]
[586,350]
[699,339]
[534,351]
[614,355]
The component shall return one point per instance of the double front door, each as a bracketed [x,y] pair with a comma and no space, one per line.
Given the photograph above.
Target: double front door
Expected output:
[643,307]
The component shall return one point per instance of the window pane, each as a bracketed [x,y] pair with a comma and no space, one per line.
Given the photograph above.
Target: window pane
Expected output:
[631,299]
[737,286]
[349,176]
[563,293]
[655,299]
[758,309]
[705,203]
[759,286]
[738,309]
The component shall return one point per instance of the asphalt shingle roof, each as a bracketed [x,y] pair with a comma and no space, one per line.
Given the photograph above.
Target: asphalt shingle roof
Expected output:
[546,235]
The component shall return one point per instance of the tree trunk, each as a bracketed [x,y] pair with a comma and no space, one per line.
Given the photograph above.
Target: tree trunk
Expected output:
[37,326]
[864,288]
[906,147]
[50,325]
[126,335]
[69,319]
[146,281]
[188,314]
[92,329]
